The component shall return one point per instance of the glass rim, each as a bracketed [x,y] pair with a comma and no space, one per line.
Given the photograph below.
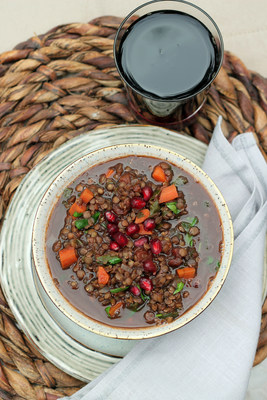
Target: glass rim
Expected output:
[182,98]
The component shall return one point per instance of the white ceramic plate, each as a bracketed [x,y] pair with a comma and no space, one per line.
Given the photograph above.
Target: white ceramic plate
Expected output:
[15,244]
[102,332]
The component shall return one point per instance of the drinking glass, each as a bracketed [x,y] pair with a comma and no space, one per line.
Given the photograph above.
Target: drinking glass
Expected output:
[173,110]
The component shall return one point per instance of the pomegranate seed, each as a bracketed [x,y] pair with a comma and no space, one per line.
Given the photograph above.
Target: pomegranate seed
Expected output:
[114,246]
[149,266]
[156,246]
[146,284]
[141,241]
[110,216]
[135,290]
[120,238]
[197,284]
[138,202]
[147,193]
[112,228]
[149,224]
[132,229]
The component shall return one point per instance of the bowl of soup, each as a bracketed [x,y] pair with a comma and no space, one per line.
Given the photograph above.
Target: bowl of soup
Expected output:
[130,242]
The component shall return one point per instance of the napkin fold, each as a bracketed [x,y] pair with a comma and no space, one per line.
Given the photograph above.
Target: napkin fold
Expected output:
[212,356]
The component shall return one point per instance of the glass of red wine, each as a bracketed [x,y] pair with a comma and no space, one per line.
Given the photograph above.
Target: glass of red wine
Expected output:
[167,53]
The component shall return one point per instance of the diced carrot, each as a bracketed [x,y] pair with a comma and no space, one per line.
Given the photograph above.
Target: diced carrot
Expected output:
[168,193]
[142,230]
[144,214]
[86,195]
[113,309]
[67,256]
[109,172]
[158,174]
[102,276]
[186,273]
[79,208]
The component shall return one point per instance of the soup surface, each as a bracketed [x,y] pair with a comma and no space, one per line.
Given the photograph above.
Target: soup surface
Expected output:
[134,241]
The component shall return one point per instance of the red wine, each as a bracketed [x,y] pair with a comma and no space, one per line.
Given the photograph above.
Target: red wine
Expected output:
[167,55]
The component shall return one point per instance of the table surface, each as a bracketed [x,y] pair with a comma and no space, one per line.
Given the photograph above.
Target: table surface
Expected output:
[243,25]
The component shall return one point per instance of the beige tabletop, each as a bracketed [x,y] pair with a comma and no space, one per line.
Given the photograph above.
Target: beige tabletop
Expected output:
[243,23]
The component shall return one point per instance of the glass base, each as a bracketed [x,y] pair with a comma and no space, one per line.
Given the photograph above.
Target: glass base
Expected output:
[149,119]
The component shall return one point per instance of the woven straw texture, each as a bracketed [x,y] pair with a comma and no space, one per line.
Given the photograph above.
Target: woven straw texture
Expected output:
[56,86]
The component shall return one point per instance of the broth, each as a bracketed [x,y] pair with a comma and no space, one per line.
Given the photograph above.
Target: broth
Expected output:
[181,246]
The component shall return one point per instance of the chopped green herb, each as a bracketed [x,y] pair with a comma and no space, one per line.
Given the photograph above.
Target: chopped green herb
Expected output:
[107,311]
[217,265]
[118,290]
[172,314]
[199,247]
[179,287]
[181,180]
[193,221]
[140,214]
[67,193]
[77,215]
[210,260]
[107,259]
[186,225]
[115,260]
[173,207]
[189,240]
[154,195]
[144,296]
[81,223]
[189,223]
[154,208]
[95,216]
[103,224]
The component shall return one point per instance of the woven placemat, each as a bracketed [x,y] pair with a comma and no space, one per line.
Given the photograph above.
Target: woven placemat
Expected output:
[63,83]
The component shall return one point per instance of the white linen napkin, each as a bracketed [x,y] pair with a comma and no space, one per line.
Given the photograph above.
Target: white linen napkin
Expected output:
[211,357]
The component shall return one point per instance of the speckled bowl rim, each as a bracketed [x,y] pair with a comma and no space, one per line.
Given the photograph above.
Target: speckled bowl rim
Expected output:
[66,177]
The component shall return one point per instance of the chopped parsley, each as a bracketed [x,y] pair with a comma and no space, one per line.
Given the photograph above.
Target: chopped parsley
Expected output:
[107,259]
[189,240]
[81,223]
[172,314]
[173,207]
[154,208]
[77,214]
[179,287]
[120,289]
[95,216]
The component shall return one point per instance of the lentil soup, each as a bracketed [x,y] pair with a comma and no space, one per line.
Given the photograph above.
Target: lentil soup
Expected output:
[134,241]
